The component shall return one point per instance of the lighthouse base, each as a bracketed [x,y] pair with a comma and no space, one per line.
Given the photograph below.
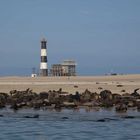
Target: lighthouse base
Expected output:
[43,72]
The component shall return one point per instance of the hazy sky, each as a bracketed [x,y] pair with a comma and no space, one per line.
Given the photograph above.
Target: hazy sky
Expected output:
[101,35]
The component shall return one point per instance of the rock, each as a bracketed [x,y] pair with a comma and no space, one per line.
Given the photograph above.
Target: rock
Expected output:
[89,104]
[38,103]
[107,120]
[58,106]
[1,115]
[53,96]
[14,106]
[22,104]
[95,96]
[129,117]
[131,104]
[116,98]
[129,101]
[12,92]
[106,104]
[135,93]
[3,99]
[75,86]
[138,104]
[69,105]
[136,90]
[96,103]
[101,120]
[23,96]
[28,90]
[106,95]
[73,98]
[4,95]
[65,118]
[76,97]
[60,90]
[126,95]
[119,85]
[34,116]
[121,108]
[86,96]
[43,95]
[123,90]
[2,105]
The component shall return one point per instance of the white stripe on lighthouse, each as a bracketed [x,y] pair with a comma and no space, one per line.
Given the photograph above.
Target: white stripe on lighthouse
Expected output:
[43,65]
[43,52]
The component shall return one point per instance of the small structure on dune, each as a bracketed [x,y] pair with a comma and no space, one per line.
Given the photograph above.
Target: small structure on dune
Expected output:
[33,73]
[66,68]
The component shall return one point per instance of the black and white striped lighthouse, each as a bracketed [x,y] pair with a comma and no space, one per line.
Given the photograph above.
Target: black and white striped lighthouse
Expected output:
[43,63]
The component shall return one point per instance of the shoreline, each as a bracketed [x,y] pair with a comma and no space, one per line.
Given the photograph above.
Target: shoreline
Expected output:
[72,84]
[121,92]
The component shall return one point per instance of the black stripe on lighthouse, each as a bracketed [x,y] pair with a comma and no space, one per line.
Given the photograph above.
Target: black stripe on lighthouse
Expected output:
[43,44]
[43,58]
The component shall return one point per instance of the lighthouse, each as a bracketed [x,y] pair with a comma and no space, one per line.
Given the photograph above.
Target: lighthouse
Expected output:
[43,63]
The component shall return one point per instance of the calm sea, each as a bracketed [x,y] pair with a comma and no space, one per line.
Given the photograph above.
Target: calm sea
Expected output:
[69,125]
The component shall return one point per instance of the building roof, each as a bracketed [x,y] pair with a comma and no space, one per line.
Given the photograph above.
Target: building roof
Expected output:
[68,62]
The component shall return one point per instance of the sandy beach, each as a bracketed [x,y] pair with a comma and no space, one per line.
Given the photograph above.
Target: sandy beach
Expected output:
[72,84]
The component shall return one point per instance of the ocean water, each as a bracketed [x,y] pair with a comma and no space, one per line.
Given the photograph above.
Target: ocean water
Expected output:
[69,125]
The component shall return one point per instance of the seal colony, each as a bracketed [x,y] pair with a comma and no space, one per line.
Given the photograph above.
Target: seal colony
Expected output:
[121,92]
